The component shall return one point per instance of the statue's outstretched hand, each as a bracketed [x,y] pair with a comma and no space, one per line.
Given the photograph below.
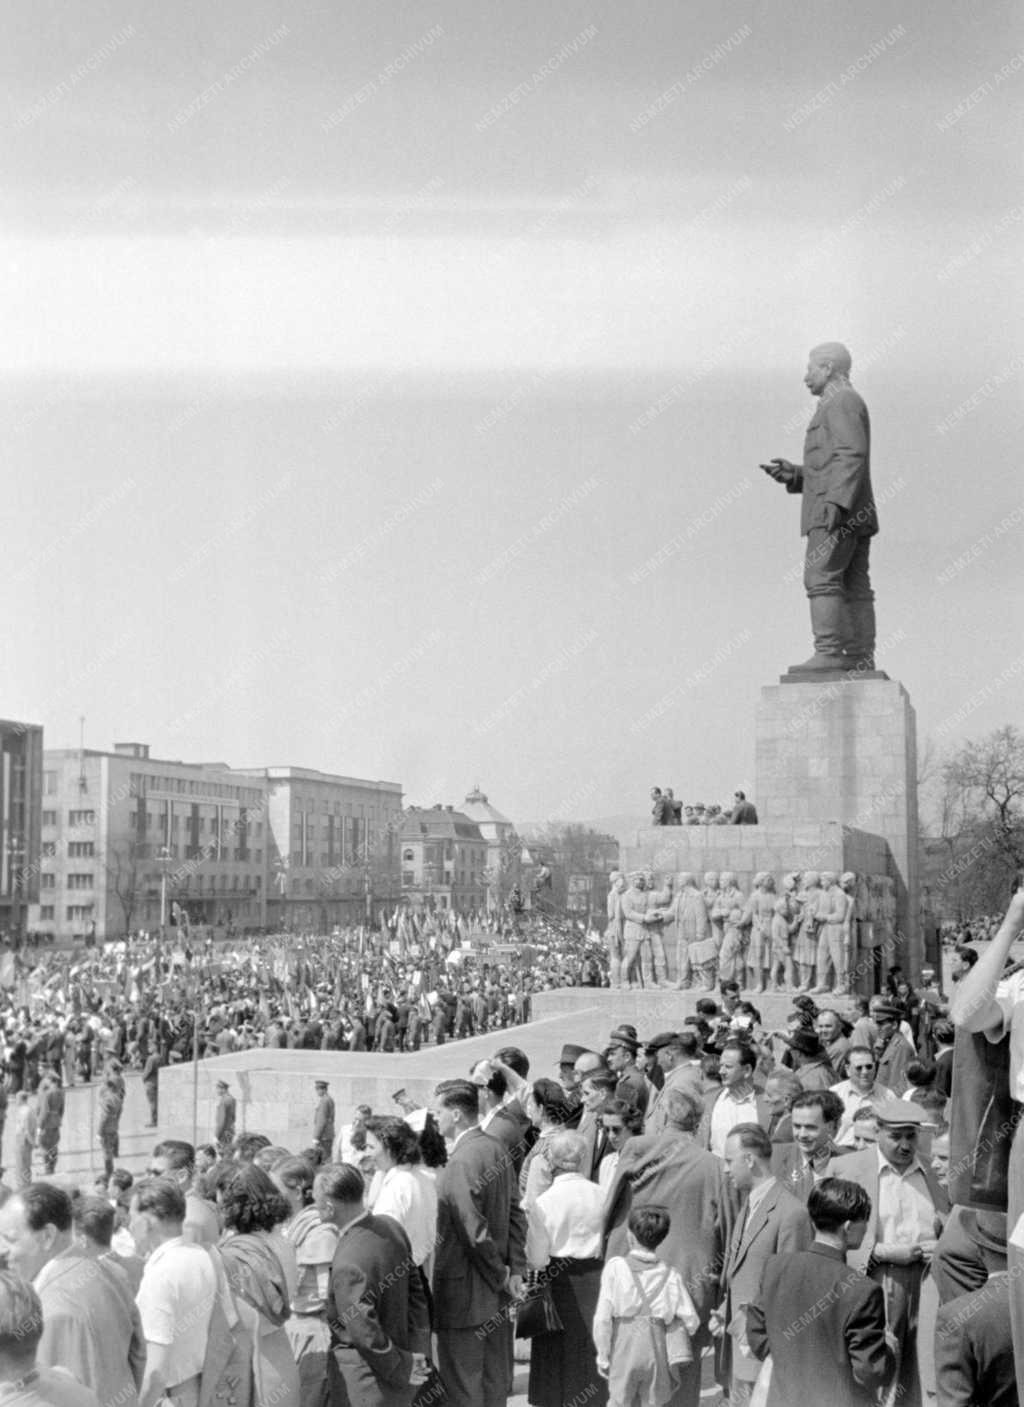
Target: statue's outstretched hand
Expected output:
[781,470]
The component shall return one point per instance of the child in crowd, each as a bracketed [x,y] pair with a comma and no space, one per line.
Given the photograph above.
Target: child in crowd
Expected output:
[644,1317]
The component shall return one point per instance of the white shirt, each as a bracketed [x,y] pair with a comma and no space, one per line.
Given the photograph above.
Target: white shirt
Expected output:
[1010,1000]
[606,1171]
[175,1300]
[409,1196]
[566,1220]
[854,1100]
[727,1113]
[906,1213]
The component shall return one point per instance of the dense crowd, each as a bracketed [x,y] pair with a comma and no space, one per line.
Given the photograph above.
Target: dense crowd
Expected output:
[772,1206]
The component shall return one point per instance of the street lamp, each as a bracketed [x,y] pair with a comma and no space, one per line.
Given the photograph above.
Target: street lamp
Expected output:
[15,856]
[165,859]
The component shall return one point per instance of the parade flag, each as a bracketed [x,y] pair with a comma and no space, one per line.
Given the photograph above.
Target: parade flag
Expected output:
[8,970]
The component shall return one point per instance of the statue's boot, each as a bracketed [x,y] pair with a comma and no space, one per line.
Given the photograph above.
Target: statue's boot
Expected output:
[859,642]
[827,625]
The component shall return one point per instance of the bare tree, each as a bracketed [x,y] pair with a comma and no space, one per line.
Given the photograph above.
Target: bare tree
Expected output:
[983,806]
[125,877]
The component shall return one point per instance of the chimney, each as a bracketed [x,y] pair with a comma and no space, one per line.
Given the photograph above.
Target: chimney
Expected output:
[137,750]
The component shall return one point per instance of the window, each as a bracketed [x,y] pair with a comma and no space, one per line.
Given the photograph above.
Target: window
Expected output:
[408,877]
[49,818]
[50,783]
[79,881]
[45,912]
[49,849]
[80,849]
[81,818]
[79,911]
[47,881]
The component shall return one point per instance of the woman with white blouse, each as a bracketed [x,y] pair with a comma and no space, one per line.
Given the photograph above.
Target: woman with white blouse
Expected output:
[406,1190]
[563,1240]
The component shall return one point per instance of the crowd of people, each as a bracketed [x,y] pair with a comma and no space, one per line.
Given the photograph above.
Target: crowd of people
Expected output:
[779,1207]
[667,811]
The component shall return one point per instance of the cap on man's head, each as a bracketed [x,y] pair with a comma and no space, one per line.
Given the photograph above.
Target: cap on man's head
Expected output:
[901,1113]
[625,1036]
[887,1011]
[320,1084]
[571,1053]
[663,1039]
[221,1084]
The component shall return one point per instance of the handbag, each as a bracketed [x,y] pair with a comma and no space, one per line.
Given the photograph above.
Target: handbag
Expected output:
[536,1313]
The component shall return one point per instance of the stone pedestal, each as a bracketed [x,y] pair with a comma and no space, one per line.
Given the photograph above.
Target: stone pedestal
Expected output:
[836,790]
[845,751]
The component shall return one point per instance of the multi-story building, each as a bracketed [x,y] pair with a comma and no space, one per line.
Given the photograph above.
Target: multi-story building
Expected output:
[129,841]
[332,847]
[444,859]
[21,785]
[503,862]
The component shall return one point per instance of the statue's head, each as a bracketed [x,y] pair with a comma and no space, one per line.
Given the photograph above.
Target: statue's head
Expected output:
[812,880]
[685,880]
[711,879]
[791,881]
[618,880]
[638,879]
[728,879]
[830,361]
[848,880]
[827,879]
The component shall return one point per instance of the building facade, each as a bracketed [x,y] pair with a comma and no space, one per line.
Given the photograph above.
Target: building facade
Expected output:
[129,842]
[444,860]
[333,845]
[21,785]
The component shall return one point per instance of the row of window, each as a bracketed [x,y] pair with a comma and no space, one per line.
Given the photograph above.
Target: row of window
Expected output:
[71,881]
[77,849]
[141,782]
[464,879]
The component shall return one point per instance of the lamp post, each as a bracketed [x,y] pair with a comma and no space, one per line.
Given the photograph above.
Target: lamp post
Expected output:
[165,859]
[15,857]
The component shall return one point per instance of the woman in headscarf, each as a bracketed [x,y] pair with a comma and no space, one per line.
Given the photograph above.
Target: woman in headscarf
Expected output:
[251,1208]
[314,1241]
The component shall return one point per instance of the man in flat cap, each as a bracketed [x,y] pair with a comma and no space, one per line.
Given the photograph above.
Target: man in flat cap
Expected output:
[678,1056]
[837,517]
[224,1119]
[893,1052]
[323,1121]
[908,1207]
[623,1048]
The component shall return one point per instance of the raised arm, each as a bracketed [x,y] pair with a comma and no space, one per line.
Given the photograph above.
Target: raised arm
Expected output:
[974,1006]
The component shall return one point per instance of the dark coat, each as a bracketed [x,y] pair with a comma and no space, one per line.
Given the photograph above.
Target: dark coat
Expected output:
[671,1170]
[974,1349]
[824,1326]
[780,1224]
[481,1233]
[789,1167]
[376,1311]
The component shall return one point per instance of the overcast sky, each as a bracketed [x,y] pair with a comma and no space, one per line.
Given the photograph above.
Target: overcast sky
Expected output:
[384,392]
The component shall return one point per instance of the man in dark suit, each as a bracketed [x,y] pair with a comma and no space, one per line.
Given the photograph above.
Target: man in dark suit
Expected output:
[770,1223]
[815,1115]
[480,1257]
[376,1310]
[974,1348]
[503,1121]
[671,1170]
[822,1322]
[596,1089]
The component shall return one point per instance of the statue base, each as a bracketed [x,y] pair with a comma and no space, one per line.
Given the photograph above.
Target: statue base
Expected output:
[796,675]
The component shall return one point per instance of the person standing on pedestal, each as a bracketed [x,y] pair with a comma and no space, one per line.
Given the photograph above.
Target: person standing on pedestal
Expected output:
[636,936]
[838,516]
